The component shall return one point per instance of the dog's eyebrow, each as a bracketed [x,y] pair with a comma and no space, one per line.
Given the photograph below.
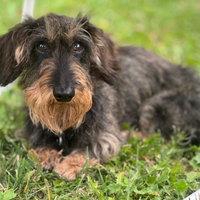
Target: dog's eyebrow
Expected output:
[78,33]
[83,38]
[85,31]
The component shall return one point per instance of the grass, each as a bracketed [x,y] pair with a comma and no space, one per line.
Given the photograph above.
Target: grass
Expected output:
[150,169]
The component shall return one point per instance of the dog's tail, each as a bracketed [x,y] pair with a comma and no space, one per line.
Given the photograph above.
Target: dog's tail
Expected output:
[27,9]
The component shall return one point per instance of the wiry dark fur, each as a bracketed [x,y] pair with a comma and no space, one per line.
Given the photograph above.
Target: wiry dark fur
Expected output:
[134,86]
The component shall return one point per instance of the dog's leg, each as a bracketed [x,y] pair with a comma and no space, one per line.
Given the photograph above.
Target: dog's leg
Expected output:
[69,166]
[65,166]
[68,159]
[48,157]
[102,148]
[108,146]
[170,109]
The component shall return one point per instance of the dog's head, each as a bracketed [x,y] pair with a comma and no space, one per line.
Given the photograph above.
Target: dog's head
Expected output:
[59,59]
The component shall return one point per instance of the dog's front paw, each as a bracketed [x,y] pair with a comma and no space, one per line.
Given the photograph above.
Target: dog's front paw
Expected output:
[71,165]
[48,157]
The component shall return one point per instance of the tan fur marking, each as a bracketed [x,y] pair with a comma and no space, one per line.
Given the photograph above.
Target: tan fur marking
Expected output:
[57,116]
[19,54]
[66,166]
[71,165]
[139,135]
[48,157]
[53,28]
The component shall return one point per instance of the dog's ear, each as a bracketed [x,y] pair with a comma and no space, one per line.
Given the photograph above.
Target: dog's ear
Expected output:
[11,52]
[105,63]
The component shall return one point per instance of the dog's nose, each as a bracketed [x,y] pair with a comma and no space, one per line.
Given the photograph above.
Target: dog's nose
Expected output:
[64,95]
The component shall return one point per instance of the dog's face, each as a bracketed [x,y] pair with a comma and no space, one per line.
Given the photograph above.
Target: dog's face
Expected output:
[60,59]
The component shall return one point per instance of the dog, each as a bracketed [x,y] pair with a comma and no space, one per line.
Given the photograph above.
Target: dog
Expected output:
[80,87]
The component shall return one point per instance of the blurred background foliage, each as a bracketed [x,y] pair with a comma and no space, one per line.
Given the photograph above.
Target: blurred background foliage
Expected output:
[169,28]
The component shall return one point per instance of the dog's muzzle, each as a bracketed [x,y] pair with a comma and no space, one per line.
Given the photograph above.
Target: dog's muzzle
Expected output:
[65,95]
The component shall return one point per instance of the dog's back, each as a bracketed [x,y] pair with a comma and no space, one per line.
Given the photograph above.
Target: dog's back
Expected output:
[156,95]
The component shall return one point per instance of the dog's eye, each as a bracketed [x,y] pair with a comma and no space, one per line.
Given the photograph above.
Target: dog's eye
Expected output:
[78,48]
[42,47]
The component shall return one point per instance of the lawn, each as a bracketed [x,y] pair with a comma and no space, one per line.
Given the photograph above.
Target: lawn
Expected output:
[144,169]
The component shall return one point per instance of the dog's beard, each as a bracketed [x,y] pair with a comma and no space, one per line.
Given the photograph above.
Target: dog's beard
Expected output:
[56,116]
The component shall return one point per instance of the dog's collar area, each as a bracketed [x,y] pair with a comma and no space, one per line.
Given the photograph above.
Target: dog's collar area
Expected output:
[60,138]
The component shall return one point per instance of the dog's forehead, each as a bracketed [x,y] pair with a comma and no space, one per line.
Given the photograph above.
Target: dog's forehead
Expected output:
[52,26]
[57,21]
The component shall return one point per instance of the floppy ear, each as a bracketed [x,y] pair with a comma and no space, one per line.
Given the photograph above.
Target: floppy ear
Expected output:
[11,53]
[105,63]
